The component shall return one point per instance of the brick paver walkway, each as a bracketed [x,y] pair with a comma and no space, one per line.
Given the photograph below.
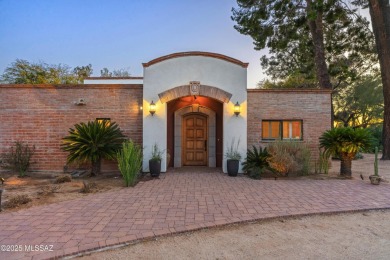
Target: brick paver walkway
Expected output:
[176,202]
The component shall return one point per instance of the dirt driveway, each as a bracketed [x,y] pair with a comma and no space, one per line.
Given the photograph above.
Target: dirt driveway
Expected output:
[363,235]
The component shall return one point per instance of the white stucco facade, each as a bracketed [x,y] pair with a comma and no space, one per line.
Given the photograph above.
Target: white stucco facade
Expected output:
[209,70]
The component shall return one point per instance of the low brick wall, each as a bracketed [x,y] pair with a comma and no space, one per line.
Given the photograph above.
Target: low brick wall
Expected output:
[313,107]
[41,115]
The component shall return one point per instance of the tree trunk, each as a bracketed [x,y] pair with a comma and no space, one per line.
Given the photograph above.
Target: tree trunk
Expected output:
[380,19]
[346,167]
[317,33]
[96,166]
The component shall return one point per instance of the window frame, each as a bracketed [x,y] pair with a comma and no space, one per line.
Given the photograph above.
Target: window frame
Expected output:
[281,129]
[103,119]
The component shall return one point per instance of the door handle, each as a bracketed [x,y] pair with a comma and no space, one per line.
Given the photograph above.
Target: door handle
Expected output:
[205,145]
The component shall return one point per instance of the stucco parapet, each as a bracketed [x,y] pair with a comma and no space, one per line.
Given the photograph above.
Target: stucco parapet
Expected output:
[196,53]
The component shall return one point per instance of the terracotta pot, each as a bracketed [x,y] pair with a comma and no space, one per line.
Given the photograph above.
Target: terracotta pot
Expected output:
[375,179]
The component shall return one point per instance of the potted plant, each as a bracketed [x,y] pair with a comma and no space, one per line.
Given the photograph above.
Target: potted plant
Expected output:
[233,159]
[375,179]
[155,161]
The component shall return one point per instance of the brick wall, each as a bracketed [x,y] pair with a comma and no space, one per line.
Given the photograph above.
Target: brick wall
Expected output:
[41,115]
[313,107]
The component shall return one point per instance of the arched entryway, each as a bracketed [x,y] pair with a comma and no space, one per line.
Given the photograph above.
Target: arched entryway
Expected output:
[194,131]
[210,80]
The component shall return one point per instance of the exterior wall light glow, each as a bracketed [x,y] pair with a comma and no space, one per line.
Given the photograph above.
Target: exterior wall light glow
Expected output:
[237,109]
[152,108]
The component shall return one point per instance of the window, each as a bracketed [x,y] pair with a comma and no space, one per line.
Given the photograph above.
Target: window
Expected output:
[282,129]
[103,120]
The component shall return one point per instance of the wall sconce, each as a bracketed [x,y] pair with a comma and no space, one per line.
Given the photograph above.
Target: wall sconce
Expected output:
[237,109]
[152,108]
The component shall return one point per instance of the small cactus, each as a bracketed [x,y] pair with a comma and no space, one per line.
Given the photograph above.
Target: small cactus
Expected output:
[376,162]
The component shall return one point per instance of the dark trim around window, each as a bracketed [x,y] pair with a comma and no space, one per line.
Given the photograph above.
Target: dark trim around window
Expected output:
[280,134]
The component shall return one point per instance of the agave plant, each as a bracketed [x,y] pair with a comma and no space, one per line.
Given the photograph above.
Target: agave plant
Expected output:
[345,143]
[256,161]
[93,141]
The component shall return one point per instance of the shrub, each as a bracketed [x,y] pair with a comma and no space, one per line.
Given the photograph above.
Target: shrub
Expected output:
[322,164]
[88,187]
[345,142]
[130,162]
[49,189]
[18,158]
[376,133]
[156,153]
[63,179]
[232,151]
[16,201]
[289,157]
[256,162]
[93,141]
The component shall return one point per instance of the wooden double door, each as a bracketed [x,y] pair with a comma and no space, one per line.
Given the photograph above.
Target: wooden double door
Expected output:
[195,140]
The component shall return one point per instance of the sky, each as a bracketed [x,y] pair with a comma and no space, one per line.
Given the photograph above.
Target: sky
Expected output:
[120,34]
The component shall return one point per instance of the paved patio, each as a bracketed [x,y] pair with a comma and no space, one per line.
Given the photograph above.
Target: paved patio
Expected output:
[178,201]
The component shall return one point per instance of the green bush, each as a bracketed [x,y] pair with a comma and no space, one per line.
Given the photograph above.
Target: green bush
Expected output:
[345,142]
[376,132]
[156,153]
[322,164]
[18,158]
[232,152]
[256,162]
[93,141]
[289,157]
[130,162]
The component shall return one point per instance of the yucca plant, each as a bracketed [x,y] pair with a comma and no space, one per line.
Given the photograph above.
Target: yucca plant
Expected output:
[93,141]
[345,142]
[130,162]
[256,162]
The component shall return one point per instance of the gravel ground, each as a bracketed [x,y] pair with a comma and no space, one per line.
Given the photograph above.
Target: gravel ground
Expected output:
[360,235]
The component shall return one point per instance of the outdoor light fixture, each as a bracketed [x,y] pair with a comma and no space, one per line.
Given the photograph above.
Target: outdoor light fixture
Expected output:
[237,109]
[152,108]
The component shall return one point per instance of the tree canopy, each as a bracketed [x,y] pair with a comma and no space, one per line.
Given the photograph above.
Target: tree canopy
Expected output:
[284,28]
[115,73]
[361,103]
[324,40]
[25,72]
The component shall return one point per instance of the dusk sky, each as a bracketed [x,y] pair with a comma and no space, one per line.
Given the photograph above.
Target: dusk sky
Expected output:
[120,34]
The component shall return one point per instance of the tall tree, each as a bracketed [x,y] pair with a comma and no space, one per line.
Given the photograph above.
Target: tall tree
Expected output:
[274,23]
[380,18]
[25,72]
[348,43]
[318,40]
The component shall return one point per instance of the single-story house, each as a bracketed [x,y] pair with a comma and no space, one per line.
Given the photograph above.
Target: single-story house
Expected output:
[192,104]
